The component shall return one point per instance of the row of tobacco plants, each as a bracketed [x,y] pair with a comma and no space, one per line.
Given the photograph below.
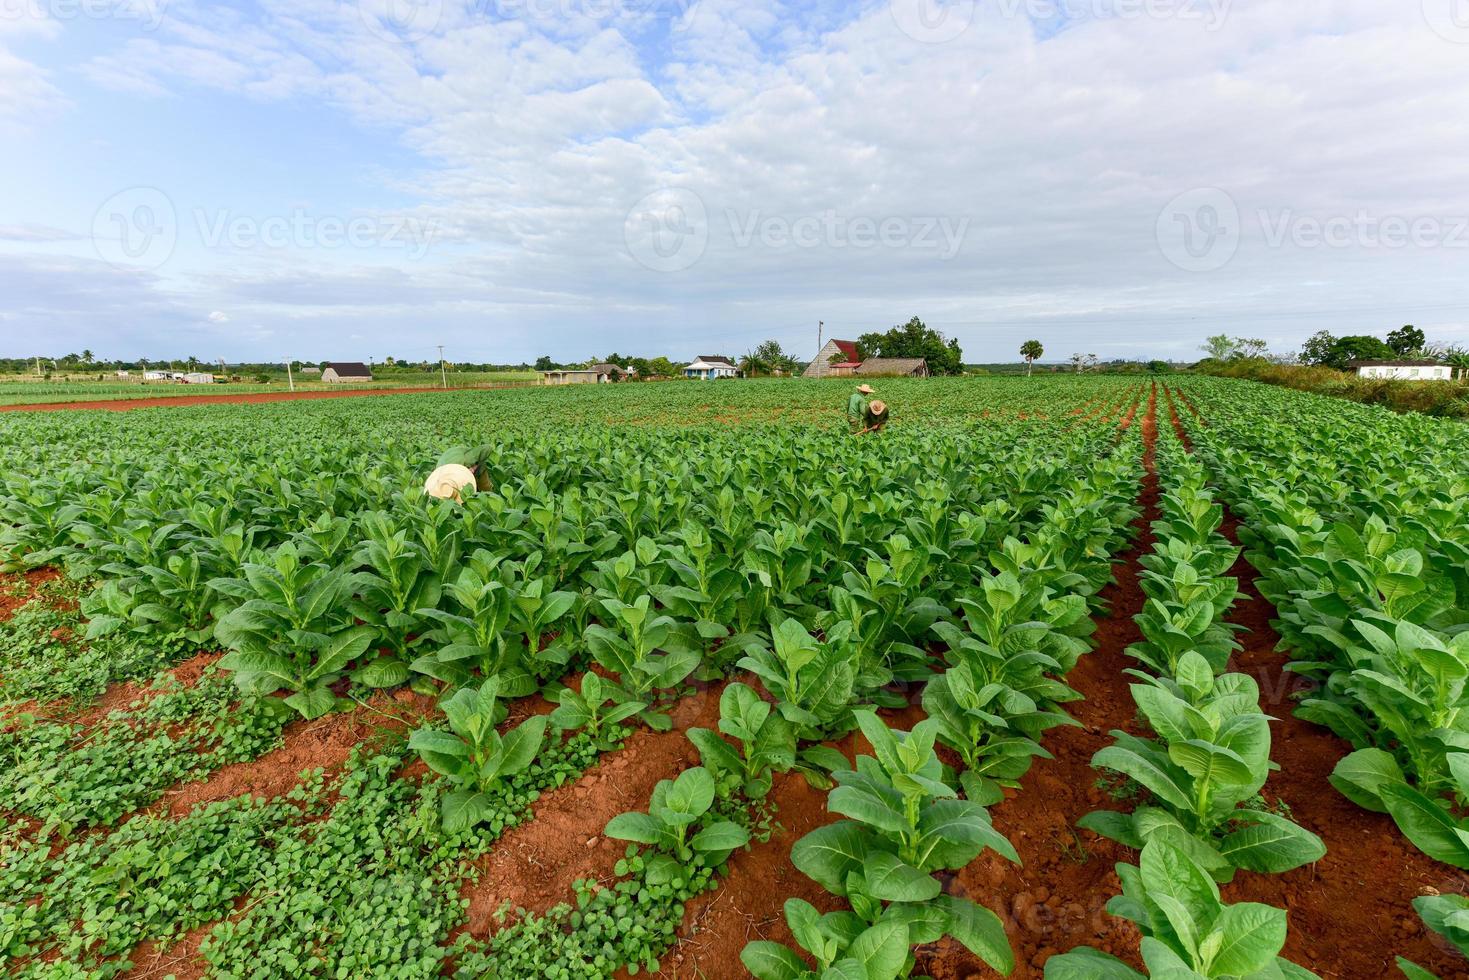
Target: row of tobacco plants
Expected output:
[1358,522]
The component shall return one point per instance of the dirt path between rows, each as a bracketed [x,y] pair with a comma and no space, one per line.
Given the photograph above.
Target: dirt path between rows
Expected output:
[184,401]
[1351,912]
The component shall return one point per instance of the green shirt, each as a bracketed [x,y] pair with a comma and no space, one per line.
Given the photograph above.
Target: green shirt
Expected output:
[464,456]
[856,405]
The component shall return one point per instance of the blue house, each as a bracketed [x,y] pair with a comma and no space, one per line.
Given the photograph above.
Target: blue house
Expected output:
[708,367]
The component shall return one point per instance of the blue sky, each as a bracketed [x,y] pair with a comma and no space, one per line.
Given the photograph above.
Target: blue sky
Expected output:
[513,178]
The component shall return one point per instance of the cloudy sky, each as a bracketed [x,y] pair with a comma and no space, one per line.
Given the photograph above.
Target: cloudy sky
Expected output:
[510,178]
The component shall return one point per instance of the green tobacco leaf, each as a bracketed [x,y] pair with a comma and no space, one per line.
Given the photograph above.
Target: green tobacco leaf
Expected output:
[1360,777]
[313,702]
[382,673]
[979,930]
[828,854]
[1089,964]
[889,879]
[635,826]
[722,836]
[882,950]
[341,649]
[1253,935]
[463,809]
[1271,845]
[1427,825]
[772,961]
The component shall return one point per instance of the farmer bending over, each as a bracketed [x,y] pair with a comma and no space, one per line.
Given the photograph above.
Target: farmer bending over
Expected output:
[876,418]
[460,470]
[857,407]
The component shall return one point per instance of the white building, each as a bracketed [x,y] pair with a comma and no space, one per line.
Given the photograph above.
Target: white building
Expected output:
[708,368]
[157,375]
[198,378]
[1405,370]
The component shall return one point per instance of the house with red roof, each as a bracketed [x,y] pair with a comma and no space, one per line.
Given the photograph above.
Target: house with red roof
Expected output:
[836,359]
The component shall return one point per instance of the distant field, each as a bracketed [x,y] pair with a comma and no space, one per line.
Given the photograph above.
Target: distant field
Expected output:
[20,391]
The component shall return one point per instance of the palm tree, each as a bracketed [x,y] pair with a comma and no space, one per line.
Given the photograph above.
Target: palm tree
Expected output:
[1031,350]
[87,357]
[1459,360]
[753,365]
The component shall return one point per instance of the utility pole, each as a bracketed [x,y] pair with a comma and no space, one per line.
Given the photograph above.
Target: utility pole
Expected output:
[443,373]
[820,329]
[290,380]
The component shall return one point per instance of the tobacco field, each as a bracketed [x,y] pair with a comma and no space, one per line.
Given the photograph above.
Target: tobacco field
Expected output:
[1085,678]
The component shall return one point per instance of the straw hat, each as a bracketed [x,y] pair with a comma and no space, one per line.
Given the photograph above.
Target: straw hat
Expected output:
[865,389]
[877,407]
[450,482]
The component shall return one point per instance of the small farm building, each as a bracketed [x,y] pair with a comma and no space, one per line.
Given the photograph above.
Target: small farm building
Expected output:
[157,375]
[892,367]
[836,359]
[341,372]
[1405,370]
[198,378]
[597,374]
[707,367]
[842,359]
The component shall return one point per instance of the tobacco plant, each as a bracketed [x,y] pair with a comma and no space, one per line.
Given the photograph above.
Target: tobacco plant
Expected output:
[631,652]
[905,824]
[474,756]
[291,631]
[1204,773]
[1188,932]
[765,744]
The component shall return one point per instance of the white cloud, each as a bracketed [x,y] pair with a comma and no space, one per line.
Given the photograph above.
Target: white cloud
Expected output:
[538,134]
[218,317]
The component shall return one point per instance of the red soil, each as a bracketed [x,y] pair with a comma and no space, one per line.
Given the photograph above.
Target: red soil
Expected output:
[21,589]
[534,866]
[324,743]
[127,404]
